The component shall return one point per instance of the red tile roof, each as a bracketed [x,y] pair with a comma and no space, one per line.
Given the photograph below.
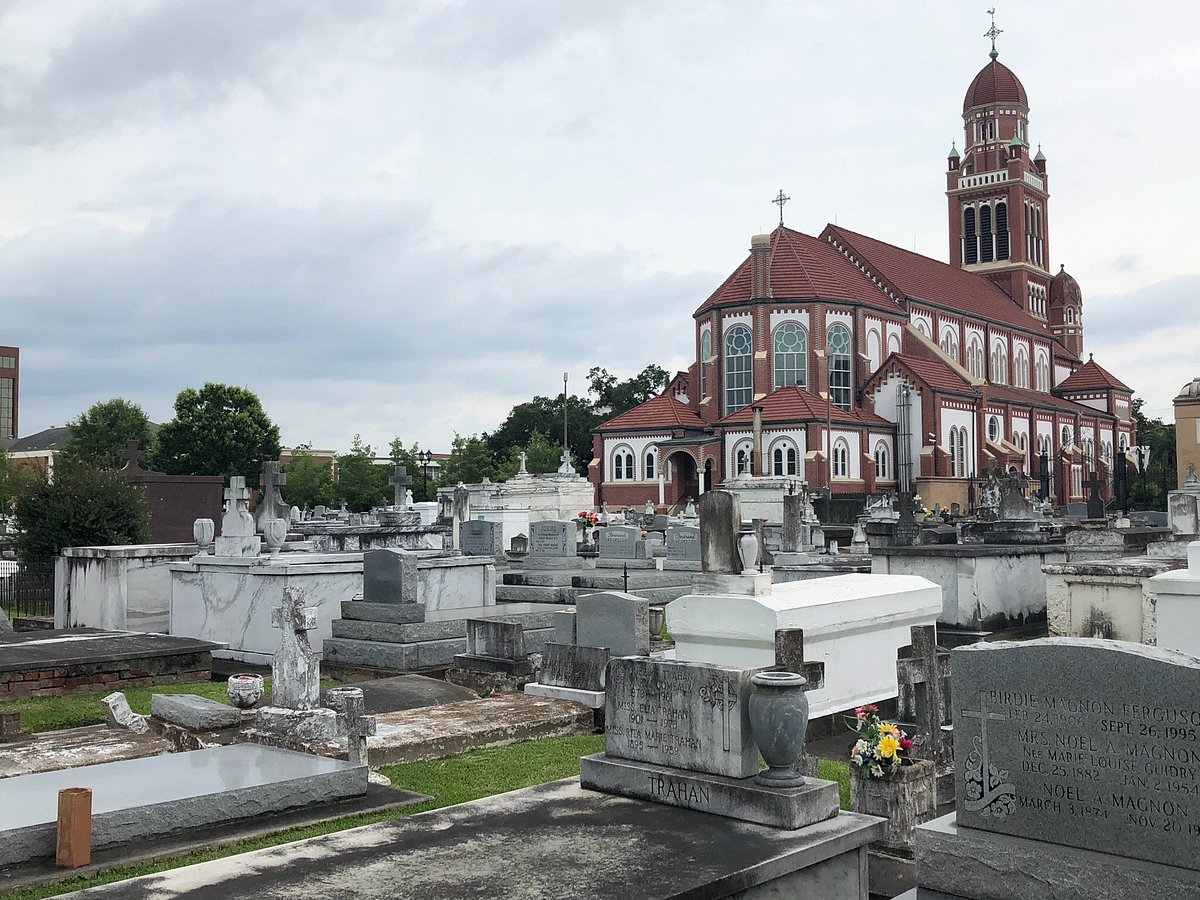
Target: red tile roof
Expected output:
[1092,376]
[1023,397]
[803,266]
[791,404]
[933,372]
[922,278]
[663,411]
[995,83]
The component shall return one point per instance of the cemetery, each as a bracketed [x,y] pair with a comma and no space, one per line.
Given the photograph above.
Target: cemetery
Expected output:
[880,592]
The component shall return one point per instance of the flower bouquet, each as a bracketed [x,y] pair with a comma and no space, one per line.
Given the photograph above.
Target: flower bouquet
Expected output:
[588,519]
[880,749]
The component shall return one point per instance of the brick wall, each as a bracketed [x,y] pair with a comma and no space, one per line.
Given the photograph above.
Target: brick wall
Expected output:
[105,676]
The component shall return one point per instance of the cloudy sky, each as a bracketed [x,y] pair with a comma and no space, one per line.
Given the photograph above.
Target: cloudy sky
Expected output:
[403,218]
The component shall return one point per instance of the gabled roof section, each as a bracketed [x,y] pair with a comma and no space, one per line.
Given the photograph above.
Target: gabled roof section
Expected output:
[1027,397]
[803,266]
[663,411]
[1091,376]
[934,373]
[922,278]
[794,404]
[54,438]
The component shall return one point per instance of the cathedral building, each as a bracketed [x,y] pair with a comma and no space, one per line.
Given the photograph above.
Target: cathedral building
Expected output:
[863,367]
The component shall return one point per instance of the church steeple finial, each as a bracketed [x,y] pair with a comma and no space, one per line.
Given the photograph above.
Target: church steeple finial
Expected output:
[993,33]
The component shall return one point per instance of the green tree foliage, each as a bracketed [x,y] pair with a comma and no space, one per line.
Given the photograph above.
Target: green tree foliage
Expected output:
[220,429]
[470,461]
[83,506]
[423,488]
[614,397]
[309,480]
[541,456]
[360,482]
[99,435]
[1151,491]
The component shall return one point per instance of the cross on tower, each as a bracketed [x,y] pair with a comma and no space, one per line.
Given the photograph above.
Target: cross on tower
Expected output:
[399,479]
[779,201]
[993,32]
[132,455]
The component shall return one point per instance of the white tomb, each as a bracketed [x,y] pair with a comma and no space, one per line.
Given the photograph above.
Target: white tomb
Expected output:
[852,623]
[1177,598]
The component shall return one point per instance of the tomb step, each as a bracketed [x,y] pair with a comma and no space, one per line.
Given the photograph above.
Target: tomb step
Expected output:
[393,613]
[514,593]
[610,580]
[436,630]
[540,579]
[410,657]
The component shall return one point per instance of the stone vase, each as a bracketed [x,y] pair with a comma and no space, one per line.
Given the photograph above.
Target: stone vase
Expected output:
[748,548]
[905,800]
[658,617]
[244,690]
[275,531]
[778,721]
[204,530]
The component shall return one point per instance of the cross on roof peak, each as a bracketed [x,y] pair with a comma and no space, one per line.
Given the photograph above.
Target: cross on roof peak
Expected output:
[993,33]
[132,453]
[781,199]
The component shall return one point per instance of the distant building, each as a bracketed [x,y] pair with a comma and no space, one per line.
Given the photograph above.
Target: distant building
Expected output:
[38,450]
[862,367]
[10,391]
[1187,428]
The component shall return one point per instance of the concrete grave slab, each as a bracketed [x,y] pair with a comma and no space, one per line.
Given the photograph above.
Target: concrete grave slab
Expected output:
[194,713]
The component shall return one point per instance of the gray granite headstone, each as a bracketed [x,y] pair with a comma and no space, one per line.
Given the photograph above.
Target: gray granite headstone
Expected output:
[500,640]
[683,543]
[479,538]
[390,576]
[619,542]
[580,668]
[564,626]
[720,523]
[551,537]
[612,619]
[686,715]
[519,544]
[1082,742]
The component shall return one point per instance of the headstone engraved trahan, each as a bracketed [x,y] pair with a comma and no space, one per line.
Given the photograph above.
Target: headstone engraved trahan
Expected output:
[686,715]
[1081,742]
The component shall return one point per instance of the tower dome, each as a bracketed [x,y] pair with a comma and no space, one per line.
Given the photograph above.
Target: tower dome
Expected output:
[995,83]
[1064,290]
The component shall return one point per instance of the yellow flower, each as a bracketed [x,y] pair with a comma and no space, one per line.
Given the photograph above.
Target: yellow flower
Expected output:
[889,728]
[888,746]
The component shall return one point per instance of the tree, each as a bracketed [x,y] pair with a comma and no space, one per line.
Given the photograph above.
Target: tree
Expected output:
[545,415]
[421,487]
[360,482]
[1151,488]
[309,480]
[83,506]
[99,435]
[220,429]
[541,456]
[470,461]
[615,397]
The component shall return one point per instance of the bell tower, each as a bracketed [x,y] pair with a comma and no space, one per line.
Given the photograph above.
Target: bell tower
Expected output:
[997,193]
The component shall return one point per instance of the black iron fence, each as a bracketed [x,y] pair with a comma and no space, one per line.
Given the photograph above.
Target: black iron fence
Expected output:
[27,592]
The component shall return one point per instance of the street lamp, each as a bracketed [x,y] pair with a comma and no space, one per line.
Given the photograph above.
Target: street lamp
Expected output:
[424,457]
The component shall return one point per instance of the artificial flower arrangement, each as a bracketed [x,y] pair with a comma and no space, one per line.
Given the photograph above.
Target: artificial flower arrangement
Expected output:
[880,748]
[588,518]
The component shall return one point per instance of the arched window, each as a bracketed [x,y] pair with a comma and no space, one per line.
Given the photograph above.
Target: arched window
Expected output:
[1021,368]
[975,357]
[883,462]
[999,363]
[1065,436]
[1124,442]
[874,349]
[958,452]
[893,343]
[1042,372]
[986,248]
[841,458]
[970,238]
[783,458]
[743,456]
[705,354]
[791,355]
[1001,230]
[739,381]
[949,343]
[1107,454]
[841,386]
[623,469]
[923,327]
[650,466]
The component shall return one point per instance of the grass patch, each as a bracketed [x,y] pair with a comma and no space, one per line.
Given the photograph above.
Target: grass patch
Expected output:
[836,770]
[75,711]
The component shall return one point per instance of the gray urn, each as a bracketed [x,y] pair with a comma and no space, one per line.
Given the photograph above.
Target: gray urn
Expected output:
[275,531]
[203,531]
[748,549]
[778,721]
[244,690]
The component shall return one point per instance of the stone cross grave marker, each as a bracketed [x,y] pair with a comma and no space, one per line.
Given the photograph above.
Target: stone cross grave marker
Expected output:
[237,525]
[400,480]
[133,456]
[789,657]
[295,669]
[349,705]
[923,675]
[1080,742]
[524,458]
[1095,503]
[272,505]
